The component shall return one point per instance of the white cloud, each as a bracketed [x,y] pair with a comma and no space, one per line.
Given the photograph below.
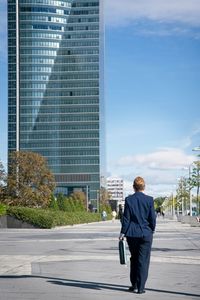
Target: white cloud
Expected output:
[163,159]
[184,11]
[160,190]
[160,169]
[165,30]
[155,190]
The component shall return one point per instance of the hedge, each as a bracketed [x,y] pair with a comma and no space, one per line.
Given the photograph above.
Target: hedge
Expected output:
[47,218]
[2,209]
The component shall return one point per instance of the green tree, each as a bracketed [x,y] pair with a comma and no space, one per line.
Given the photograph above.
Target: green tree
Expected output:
[182,194]
[104,196]
[29,182]
[194,181]
[158,203]
[2,180]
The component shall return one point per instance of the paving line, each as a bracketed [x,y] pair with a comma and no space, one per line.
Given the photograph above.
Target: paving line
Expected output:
[22,264]
[87,239]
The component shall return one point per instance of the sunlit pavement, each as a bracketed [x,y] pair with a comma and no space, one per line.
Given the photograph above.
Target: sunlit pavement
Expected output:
[81,262]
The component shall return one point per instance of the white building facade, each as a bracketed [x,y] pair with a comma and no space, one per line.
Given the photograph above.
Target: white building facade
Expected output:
[115,187]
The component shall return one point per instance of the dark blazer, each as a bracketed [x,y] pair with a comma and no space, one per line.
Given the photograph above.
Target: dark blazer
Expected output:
[139,218]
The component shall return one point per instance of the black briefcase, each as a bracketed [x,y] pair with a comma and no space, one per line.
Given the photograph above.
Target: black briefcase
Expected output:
[122,252]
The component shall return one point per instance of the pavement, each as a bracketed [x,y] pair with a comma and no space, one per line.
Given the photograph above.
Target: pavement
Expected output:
[81,262]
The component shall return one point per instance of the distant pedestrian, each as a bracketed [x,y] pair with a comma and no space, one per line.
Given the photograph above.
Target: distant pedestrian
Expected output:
[138,225]
[104,215]
[120,213]
[114,214]
[163,214]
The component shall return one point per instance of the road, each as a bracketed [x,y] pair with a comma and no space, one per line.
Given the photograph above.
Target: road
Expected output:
[81,262]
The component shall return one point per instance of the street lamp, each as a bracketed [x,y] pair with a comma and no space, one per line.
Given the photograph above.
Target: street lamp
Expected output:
[173,207]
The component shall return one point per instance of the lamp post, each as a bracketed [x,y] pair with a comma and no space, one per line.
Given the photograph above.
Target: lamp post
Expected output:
[180,188]
[173,207]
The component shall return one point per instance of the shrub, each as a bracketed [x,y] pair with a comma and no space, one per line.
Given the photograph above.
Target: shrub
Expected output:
[53,203]
[79,205]
[69,204]
[60,201]
[72,204]
[38,217]
[106,207]
[48,218]
[2,209]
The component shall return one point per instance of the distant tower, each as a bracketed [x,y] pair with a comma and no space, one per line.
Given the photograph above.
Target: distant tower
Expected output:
[55,88]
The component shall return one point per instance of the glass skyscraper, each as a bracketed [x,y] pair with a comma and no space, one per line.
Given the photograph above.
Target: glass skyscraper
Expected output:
[55,88]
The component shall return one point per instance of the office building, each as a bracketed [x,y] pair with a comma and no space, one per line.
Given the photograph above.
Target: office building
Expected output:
[55,88]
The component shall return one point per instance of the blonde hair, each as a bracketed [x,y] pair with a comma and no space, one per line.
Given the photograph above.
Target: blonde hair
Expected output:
[139,184]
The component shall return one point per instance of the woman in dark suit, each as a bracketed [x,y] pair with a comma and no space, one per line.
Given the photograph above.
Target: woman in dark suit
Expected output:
[138,226]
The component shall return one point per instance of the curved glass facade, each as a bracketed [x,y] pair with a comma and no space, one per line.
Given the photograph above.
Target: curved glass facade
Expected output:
[55,87]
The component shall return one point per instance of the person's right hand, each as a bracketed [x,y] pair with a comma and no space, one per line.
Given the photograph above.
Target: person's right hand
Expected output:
[121,236]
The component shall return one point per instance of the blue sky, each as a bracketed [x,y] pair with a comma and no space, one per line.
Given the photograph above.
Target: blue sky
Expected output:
[152,90]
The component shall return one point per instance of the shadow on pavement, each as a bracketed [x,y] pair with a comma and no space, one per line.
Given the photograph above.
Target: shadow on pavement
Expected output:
[89,284]
[92,285]
[171,249]
[174,293]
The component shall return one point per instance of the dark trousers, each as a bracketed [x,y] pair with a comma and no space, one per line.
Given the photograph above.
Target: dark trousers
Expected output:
[140,249]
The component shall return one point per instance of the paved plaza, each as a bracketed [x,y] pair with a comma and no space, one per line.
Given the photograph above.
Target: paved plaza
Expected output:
[82,262]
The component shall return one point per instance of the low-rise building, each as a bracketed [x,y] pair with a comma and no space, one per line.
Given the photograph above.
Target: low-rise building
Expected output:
[115,187]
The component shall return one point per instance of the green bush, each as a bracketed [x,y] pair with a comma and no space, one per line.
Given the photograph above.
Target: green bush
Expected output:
[67,204]
[48,218]
[72,204]
[60,201]
[2,209]
[53,203]
[37,217]
[106,207]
